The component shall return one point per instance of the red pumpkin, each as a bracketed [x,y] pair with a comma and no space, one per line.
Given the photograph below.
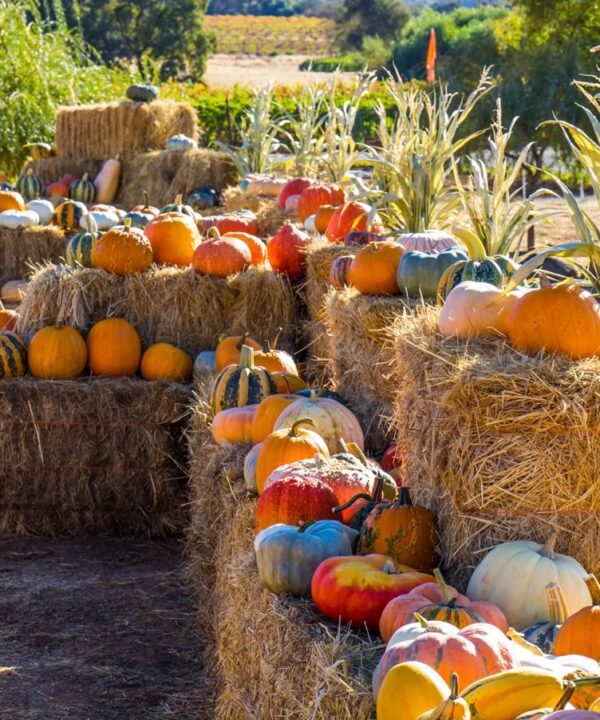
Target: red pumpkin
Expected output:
[353,216]
[316,196]
[293,501]
[293,188]
[286,251]
[222,257]
[393,462]
[57,189]
[356,589]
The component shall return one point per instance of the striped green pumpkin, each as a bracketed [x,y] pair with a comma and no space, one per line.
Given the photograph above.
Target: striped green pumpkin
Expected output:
[68,215]
[179,207]
[30,186]
[13,356]
[80,249]
[83,190]
[241,385]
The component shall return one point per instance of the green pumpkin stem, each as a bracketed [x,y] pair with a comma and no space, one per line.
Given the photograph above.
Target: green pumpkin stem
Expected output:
[127,223]
[594,587]
[421,620]
[302,421]
[350,503]
[246,357]
[84,178]
[449,600]
[213,233]
[352,449]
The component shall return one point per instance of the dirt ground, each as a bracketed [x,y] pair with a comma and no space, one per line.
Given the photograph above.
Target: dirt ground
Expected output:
[97,629]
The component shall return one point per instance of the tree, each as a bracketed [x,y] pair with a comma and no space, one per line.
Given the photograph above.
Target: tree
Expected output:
[371,18]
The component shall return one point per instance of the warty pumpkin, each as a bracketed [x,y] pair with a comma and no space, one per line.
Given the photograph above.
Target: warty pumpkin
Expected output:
[174,238]
[13,355]
[374,268]
[57,352]
[114,348]
[241,384]
[267,413]
[228,349]
[163,361]
[123,250]
[408,690]
[543,634]
[580,633]
[234,426]
[294,502]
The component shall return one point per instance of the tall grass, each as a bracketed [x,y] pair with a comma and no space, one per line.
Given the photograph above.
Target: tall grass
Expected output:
[43,66]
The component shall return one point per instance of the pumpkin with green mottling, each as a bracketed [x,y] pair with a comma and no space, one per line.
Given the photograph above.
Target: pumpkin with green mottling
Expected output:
[495,270]
[241,384]
[13,356]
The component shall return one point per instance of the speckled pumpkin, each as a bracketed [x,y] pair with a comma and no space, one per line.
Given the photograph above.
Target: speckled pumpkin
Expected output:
[242,384]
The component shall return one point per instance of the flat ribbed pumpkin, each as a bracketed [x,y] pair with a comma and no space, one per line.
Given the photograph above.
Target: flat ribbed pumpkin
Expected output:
[242,384]
[57,353]
[374,268]
[123,250]
[233,426]
[13,356]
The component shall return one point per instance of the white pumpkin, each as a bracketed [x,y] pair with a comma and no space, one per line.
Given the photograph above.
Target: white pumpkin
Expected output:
[43,208]
[514,576]
[103,220]
[430,241]
[250,468]
[476,309]
[206,360]
[292,203]
[309,224]
[13,219]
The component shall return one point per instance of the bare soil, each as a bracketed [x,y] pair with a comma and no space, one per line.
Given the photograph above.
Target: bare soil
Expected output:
[97,629]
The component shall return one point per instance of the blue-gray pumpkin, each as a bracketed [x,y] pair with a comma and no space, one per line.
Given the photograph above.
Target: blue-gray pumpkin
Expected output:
[142,92]
[419,273]
[181,142]
[287,556]
[203,198]
[138,219]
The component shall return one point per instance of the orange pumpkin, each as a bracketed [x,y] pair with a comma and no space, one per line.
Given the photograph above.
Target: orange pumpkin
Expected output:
[222,257]
[258,249]
[8,319]
[123,250]
[286,382]
[267,413]
[229,349]
[114,348]
[275,360]
[11,200]
[323,217]
[57,353]
[374,268]
[579,633]
[299,442]
[316,196]
[163,361]
[174,237]
[234,426]
[291,191]
[563,318]
[353,216]
[241,222]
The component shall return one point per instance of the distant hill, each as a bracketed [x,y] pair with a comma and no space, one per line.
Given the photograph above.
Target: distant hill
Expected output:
[320,7]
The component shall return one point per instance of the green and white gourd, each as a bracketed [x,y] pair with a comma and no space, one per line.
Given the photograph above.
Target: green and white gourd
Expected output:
[30,185]
[83,190]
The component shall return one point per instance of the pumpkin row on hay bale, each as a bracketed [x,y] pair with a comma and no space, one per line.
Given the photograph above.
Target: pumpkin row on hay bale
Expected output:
[101,130]
[22,248]
[89,457]
[362,357]
[501,446]
[268,656]
[165,304]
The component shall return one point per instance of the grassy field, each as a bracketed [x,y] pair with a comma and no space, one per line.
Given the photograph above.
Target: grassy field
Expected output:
[260,35]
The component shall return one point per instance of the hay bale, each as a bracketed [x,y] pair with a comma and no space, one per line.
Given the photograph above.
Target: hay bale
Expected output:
[234,198]
[166,304]
[268,656]
[52,168]
[92,457]
[125,127]
[501,446]
[22,248]
[362,357]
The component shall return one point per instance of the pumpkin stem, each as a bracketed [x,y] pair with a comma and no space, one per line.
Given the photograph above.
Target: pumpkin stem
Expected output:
[421,620]
[127,223]
[84,178]
[404,497]
[352,449]
[350,503]
[565,697]
[444,589]
[454,686]
[179,199]
[242,341]
[213,233]
[303,421]
[246,357]
[277,336]
[587,682]
[548,549]
[306,525]
[557,603]
[594,587]
[146,199]
[389,568]
[266,347]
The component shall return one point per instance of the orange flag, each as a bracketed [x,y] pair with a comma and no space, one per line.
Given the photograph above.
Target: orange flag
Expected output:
[431,57]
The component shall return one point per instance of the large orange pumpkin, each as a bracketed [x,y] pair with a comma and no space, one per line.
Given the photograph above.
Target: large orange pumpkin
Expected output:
[11,200]
[174,237]
[316,196]
[163,361]
[258,249]
[374,268]
[235,222]
[579,633]
[229,348]
[57,353]
[353,216]
[282,447]
[222,257]
[234,426]
[123,250]
[323,217]
[267,414]
[563,318]
[114,348]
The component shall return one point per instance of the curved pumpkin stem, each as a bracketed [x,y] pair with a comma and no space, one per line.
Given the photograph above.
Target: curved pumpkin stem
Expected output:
[266,347]
[454,686]
[421,620]
[404,497]
[302,421]
[594,587]
[550,544]
[146,199]
[213,233]
[277,336]
[350,503]
[306,525]
[565,697]
[352,449]
[444,589]
[241,342]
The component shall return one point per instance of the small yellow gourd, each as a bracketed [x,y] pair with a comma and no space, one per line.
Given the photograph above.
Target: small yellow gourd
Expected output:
[453,708]
[409,690]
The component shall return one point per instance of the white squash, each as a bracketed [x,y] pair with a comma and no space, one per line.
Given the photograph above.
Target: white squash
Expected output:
[250,468]
[257,184]
[103,220]
[309,224]
[43,208]
[514,576]
[476,309]
[13,219]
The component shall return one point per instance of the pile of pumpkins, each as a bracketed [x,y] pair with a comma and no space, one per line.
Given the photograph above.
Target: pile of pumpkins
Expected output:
[112,349]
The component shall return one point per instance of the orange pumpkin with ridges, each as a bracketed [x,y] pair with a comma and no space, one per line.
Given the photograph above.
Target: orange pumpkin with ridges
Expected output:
[123,250]
[234,426]
[323,217]
[267,413]
[223,257]
[174,237]
[374,268]
[258,249]
[579,633]
[229,348]
[11,200]
[57,353]
[246,223]
[294,502]
[275,360]
[353,216]
[163,361]
[316,196]
[114,348]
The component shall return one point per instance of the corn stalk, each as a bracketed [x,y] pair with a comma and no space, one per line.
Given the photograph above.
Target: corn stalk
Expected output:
[301,131]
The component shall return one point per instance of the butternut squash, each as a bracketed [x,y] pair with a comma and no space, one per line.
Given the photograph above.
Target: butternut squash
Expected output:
[107,180]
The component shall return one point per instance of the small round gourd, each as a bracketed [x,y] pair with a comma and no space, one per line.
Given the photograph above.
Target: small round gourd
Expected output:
[30,185]
[142,92]
[68,214]
[83,190]
[181,142]
[80,248]
[13,219]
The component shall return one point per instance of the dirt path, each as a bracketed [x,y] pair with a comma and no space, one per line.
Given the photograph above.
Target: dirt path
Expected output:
[97,629]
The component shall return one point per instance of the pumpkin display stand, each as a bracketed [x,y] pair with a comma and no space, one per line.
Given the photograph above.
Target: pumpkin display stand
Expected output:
[362,357]
[103,130]
[499,445]
[268,656]
[318,264]
[165,304]
[92,457]
[23,247]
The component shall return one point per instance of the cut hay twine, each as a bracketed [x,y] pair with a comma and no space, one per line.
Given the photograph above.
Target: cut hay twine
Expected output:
[92,456]
[22,248]
[165,304]
[103,130]
[362,357]
[269,656]
[501,446]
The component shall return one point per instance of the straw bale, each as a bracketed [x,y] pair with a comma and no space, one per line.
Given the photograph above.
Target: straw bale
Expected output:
[165,304]
[20,249]
[125,127]
[362,357]
[53,168]
[234,198]
[501,446]
[92,457]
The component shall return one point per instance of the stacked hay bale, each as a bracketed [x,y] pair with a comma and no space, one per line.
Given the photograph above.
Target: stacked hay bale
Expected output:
[270,656]
[23,248]
[501,446]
